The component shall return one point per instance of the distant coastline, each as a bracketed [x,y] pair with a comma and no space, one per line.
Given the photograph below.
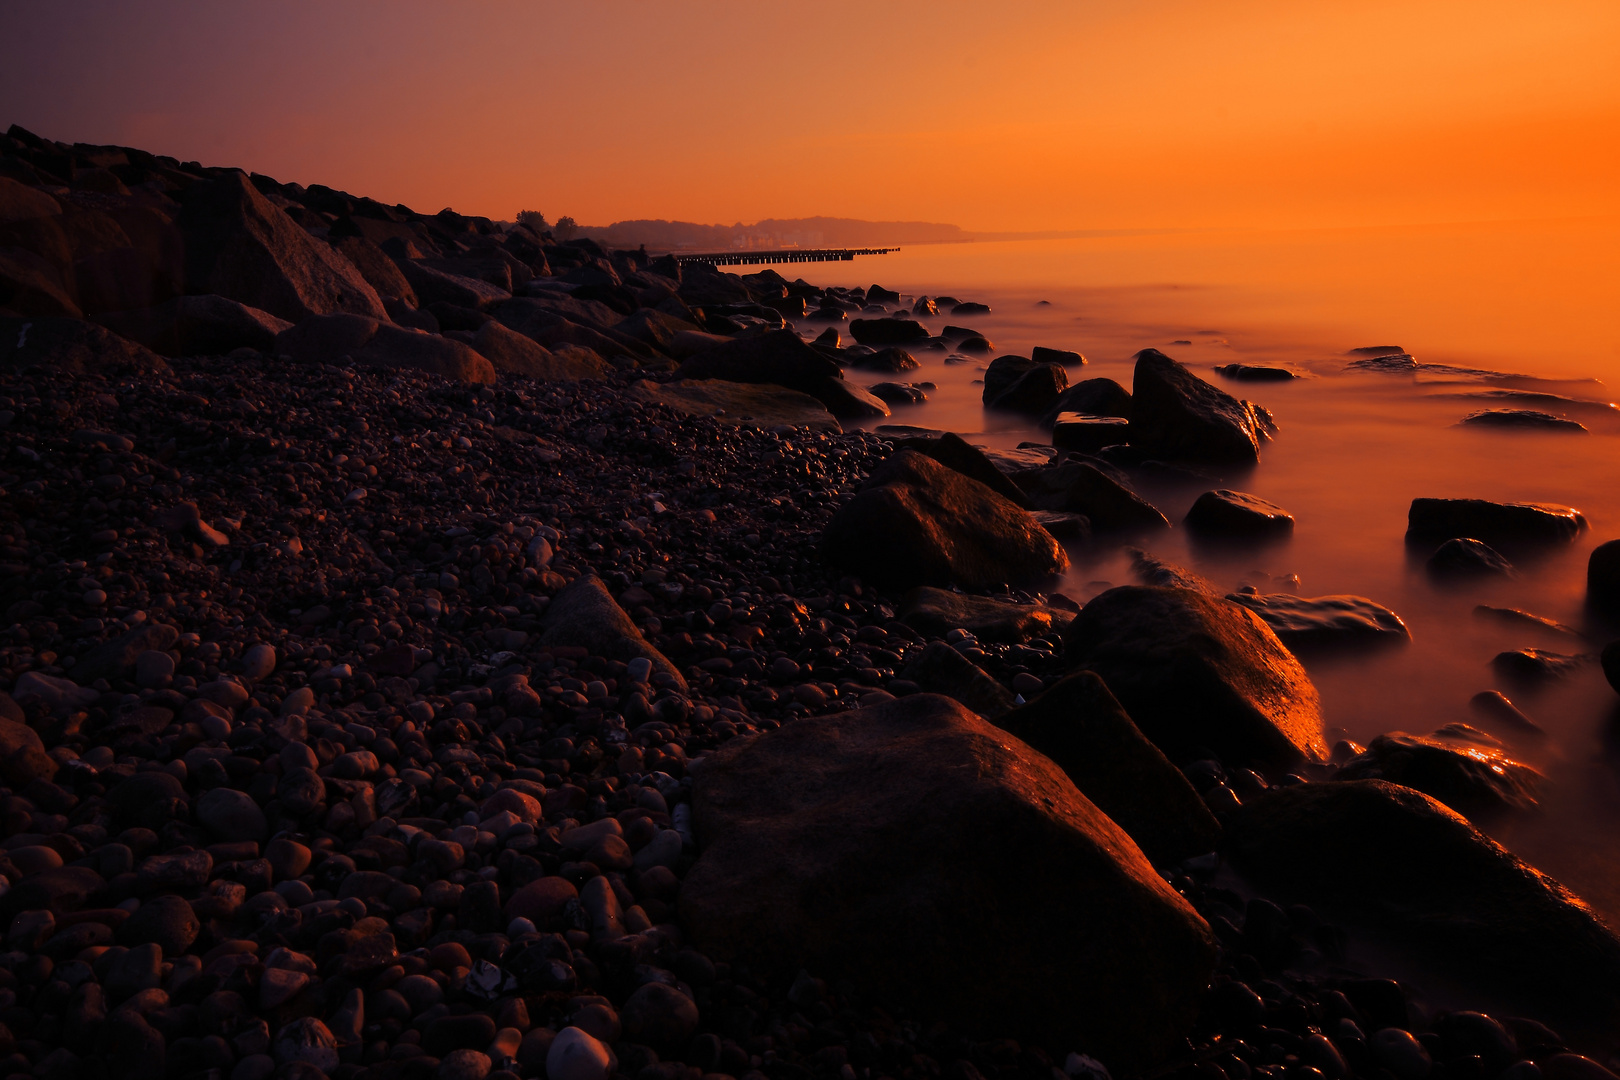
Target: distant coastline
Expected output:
[811,232]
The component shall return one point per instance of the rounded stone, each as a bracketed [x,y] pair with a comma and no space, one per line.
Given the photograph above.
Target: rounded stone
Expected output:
[464,1065]
[231,815]
[153,669]
[660,1016]
[576,1055]
[542,900]
[165,921]
[306,1040]
[1400,1053]
[259,661]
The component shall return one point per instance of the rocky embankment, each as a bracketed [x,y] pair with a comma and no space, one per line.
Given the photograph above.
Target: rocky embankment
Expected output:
[430,650]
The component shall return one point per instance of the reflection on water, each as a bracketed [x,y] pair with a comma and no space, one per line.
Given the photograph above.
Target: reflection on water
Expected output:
[1355,448]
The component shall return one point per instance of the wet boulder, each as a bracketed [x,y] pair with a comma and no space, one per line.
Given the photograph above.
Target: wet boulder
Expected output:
[955,452]
[847,401]
[858,844]
[1043,355]
[936,612]
[1603,577]
[1255,373]
[1536,665]
[1465,557]
[1197,673]
[1379,852]
[1476,781]
[1523,420]
[242,246]
[1079,487]
[916,522]
[585,614]
[1175,414]
[1091,397]
[879,332]
[197,326]
[1031,393]
[1323,623]
[897,393]
[1237,515]
[1088,434]
[892,360]
[1082,727]
[1498,524]
[1002,372]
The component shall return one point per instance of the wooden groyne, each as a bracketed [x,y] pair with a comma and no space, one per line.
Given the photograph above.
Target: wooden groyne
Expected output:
[788,255]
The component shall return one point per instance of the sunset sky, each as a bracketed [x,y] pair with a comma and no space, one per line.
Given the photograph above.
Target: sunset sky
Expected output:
[1022,116]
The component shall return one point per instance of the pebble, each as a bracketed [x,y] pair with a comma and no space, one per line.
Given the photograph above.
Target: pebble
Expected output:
[575,1055]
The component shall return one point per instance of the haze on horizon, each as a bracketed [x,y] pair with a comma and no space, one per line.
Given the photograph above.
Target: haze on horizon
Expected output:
[1040,116]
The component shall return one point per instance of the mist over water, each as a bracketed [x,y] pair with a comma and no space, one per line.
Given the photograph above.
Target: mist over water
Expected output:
[1353,450]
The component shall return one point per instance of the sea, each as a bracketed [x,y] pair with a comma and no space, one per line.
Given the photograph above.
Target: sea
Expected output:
[1482,307]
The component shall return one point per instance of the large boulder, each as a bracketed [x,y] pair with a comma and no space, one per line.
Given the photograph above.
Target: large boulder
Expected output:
[433,285]
[585,614]
[936,612]
[22,755]
[941,864]
[1175,414]
[1603,577]
[1474,780]
[1032,393]
[1078,487]
[778,356]
[744,404]
[1501,525]
[887,331]
[955,452]
[847,401]
[1081,726]
[512,353]
[197,326]
[916,522]
[1322,623]
[377,268]
[242,246]
[30,284]
[327,339]
[1237,515]
[1093,397]
[73,347]
[1375,851]
[1200,675]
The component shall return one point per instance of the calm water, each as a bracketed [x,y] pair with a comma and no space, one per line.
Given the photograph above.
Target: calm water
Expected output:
[1535,299]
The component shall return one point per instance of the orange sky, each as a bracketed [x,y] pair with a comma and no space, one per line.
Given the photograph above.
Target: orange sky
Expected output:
[1029,116]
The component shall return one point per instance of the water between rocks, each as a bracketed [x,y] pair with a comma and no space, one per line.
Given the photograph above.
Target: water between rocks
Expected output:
[1353,449]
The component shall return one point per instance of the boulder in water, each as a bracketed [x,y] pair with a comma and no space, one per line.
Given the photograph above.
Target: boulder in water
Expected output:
[1199,674]
[1175,414]
[1464,557]
[1091,397]
[1376,851]
[1079,487]
[1523,420]
[1320,623]
[1497,524]
[1476,781]
[1088,434]
[862,844]
[1237,515]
